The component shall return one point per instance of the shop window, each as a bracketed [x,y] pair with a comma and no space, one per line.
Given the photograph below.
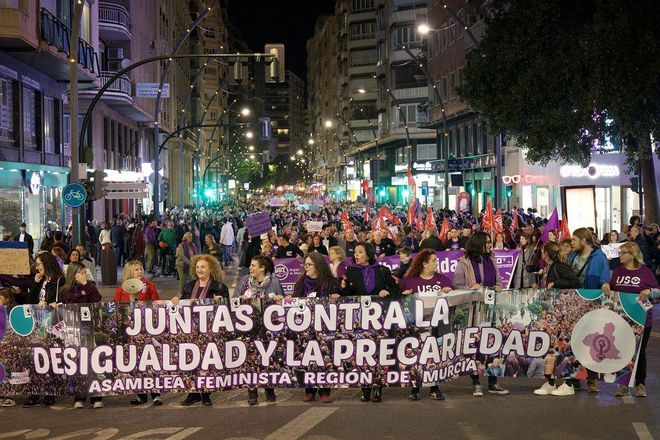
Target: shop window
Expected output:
[30,119]
[6,110]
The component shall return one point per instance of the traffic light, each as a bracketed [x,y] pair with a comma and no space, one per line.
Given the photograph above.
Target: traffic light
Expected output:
[99,184]
[469,187]
[509,191]
[381,192]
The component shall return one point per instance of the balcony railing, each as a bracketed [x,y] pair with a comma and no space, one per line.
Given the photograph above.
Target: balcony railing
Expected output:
[56,33]
[122,85]
[115,18]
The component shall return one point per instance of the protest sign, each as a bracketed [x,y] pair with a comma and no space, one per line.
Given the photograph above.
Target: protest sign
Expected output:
[287,270]
[14,258]
[276,201]
[314,226]
[258,224]
[611,251]
[319,342]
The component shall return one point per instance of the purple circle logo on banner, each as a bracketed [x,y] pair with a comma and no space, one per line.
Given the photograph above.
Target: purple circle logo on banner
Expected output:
[3,321]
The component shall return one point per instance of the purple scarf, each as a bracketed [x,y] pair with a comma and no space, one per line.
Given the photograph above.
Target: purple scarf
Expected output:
[368,277]
[189,250]
[311,285]
[490,277]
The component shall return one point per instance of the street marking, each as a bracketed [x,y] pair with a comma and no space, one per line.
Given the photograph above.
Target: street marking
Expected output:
[655,334]
[14,433]
[185,433]
[297,427]
[642,431]
[628,399]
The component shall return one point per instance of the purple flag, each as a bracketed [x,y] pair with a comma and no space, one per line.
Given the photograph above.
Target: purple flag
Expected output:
[552,225]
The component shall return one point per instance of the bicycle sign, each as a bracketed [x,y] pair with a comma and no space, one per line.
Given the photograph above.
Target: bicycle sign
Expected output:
[74,195]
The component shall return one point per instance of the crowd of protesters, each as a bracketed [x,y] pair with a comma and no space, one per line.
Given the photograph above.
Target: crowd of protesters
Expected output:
[197,246]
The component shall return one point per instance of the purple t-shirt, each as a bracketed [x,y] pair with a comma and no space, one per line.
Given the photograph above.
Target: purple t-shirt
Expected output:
[634,281]
[420,285]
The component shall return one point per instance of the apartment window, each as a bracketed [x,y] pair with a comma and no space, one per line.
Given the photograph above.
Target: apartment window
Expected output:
[362,31]
[361,5]
[29,118]
[365,111]
[427,152]
[408,114]
[49,125]
[461,142]
[85,23]
[400,156]
[479,142]
[452,85]
[6,110]
[368,83]
[364,57]
[405,35]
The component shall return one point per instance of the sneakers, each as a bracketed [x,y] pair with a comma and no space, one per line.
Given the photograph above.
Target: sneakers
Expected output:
[79,404]
[139,401]
[98,404]
[309,397]
[7,402]
[497,389]
[593,386]
[191,399]
[366,396]
[378,395]
[325,398]
[436,394]
[414,396]
[157,401]
[621,391]
[206,400]
[48,401]
[545,389]
[270,394]
[563,390]
[640,392]
[478,391]
[253,397]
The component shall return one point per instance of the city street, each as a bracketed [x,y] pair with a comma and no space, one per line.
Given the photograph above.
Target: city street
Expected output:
[461,416]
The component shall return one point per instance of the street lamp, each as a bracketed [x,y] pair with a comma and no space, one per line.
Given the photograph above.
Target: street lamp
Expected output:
[249,134]
[245,111]
[251,156]
[251,148]
[328,124]
[310,141]
[300,152]
[423,29]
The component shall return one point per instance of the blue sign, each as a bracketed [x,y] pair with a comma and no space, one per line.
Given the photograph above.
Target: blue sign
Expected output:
[74,195]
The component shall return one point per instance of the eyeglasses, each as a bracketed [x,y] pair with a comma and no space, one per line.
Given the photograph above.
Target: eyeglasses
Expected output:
[309,264]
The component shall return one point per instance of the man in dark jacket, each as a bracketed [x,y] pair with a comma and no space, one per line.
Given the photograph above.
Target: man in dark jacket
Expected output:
[117,233]
[24,237]
[432,241]
[637,238]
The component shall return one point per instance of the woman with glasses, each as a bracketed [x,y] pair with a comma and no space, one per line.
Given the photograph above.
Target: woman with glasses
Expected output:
[632,276]
[477,270]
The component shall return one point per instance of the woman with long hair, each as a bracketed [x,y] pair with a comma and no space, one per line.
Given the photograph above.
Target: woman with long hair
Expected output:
[522,278]
[368,278]
[211,247]
[184,253]
[632,276]
[317,246]
[206,282]
[44,291]
[477,270]
[316,281]
[79,290]
[423,277]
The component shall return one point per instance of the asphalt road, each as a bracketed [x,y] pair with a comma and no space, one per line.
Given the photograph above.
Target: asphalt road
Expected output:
[461,416]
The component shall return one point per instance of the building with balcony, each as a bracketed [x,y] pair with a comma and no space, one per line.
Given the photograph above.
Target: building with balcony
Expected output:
[285,107]
[35,42]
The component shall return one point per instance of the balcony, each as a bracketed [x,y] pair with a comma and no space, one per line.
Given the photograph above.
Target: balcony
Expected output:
[57,39]
[411,93]
[114,22]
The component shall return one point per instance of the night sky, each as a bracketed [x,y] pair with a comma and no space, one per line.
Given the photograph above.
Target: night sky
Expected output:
[290,22]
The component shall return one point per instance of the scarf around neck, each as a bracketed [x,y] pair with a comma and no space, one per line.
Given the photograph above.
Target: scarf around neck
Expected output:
[490,278]
[200,294]
[257,288]
[368,277]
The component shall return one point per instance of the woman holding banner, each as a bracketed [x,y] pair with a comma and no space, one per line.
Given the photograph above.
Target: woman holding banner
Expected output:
[44,291]
[368,278]
[316,282]
[206,274]
[423,277]
[259,284]
[78,290]
[133,270]
[632,276]
[477,270]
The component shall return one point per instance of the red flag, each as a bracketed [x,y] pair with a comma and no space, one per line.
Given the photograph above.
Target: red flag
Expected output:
[444,230]
[565,231]
[412,187]
[499,226]
[345,221]
[386,213]
[514,223]
[430,220]
[488,222]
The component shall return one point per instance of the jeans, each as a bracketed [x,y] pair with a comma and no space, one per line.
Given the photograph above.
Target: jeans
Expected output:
[119,251]
[227,254]
[150,251]
[492,380]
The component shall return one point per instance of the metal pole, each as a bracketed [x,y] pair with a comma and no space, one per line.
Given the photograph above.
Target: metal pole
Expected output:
[77,213]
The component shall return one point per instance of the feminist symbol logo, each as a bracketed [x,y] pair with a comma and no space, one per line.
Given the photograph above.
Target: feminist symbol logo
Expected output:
[601,345]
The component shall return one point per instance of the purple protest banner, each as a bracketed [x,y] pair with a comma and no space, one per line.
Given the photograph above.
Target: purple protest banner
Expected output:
[258,224]
[287,270]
